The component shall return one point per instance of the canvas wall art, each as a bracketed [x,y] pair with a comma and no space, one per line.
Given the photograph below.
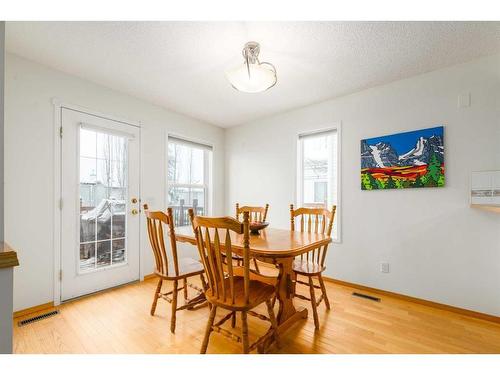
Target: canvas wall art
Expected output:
[405,160]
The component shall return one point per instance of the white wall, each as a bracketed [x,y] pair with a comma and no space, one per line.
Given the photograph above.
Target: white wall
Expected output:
[29,165]
[438,247]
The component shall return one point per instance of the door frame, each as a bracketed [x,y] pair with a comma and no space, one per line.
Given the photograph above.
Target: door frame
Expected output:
[58,106]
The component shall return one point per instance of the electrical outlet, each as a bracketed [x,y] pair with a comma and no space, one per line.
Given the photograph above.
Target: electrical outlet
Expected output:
[384,267]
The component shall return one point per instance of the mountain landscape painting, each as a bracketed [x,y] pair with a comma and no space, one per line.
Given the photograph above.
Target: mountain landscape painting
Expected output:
[405,160]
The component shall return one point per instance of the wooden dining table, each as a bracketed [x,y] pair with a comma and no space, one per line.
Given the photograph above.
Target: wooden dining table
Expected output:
[278,247]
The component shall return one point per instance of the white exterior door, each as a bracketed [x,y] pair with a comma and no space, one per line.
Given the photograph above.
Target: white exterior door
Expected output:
[100,174]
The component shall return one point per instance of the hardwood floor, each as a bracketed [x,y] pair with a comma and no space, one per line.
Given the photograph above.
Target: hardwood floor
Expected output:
[118,321]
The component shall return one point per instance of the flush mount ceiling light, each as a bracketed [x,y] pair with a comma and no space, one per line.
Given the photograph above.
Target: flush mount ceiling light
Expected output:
[253,75]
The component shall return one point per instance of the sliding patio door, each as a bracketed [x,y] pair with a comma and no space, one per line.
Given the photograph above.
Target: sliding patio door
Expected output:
[100,203]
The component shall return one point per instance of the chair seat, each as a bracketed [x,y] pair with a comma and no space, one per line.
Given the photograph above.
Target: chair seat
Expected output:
[187,267]
[259,292]
[303,267]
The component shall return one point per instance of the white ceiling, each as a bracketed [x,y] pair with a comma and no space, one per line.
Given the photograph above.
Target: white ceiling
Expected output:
[180,65]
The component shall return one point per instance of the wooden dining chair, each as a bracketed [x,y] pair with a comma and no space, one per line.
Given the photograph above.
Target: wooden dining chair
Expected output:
[312,263]
[170,267]
[256,214]
[231,287]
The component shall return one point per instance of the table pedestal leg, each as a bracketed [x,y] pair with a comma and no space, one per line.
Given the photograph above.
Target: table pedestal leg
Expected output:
[287,313]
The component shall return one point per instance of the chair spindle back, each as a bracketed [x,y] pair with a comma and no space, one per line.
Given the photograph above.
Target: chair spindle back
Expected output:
[214,242]
[313,220]
[256,213]
[156,221]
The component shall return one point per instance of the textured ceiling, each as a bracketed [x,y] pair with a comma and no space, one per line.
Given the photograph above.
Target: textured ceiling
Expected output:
[180,65]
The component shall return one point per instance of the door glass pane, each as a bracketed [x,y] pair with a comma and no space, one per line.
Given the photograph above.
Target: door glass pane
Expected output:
[118,253]
[87,256]
[103,199]
[103,213]
[103,253]
[118,195]
[183,198]
[118,219]
[103,175]
[87,227]
[88,168]
[118,176]
[87,143]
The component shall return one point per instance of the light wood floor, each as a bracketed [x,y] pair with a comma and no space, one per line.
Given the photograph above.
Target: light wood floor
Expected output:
[118,321]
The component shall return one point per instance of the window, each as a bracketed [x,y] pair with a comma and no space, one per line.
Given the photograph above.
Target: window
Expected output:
[189,179]
[318,171]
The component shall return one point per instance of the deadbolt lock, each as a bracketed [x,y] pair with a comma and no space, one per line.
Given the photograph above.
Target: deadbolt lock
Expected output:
[134,200]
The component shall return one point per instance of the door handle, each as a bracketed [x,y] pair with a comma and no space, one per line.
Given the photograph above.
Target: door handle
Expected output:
[135,211]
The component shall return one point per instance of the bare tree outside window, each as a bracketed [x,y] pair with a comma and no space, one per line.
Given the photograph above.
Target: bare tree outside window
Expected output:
[188,176]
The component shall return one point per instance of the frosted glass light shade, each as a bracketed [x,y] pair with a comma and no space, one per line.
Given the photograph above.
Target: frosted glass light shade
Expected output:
[262,77]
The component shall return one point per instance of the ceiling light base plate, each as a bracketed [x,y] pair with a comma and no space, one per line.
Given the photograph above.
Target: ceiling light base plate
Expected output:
[251,52]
